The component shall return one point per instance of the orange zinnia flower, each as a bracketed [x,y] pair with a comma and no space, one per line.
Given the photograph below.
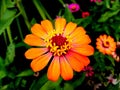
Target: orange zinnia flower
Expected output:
[66,46]
[105,44]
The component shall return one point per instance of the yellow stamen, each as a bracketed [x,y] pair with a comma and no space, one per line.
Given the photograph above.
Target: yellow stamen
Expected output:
[56,49]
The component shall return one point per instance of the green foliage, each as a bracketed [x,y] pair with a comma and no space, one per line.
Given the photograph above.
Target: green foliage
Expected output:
[6,19]
[10,54]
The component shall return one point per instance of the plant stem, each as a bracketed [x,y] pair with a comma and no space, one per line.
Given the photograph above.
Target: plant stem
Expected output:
[19,28]
[45,11]
[9,34]
[22,10]
[61,1]
[37,5]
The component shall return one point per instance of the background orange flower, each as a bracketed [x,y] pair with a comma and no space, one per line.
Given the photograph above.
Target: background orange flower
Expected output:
[105,44]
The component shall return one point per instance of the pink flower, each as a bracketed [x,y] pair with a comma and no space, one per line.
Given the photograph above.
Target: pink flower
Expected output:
[85,14]
[112,80]
[74,7]
[89,71]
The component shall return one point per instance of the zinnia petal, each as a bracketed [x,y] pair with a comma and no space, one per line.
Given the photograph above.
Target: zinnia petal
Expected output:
[83,59]
[38,31]
[54,69]
[33,40]
[40,62]
[47,25]
[66,69]
[60,25]
[81,39]
[86,50]
[69,28]
[74,62]
[35,52]
[78,31]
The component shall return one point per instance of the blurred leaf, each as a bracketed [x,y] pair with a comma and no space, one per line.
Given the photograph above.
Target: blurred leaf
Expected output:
[28,72]
[10,54]
[37,83]
[33,21]
[68,15]
[6,19]
[5,87]
[107,15]
[78,21]
[1,63]
[10,3]
[107,3]
[111,60]
[49,85]
[2,74]
[68,86]
[79,81]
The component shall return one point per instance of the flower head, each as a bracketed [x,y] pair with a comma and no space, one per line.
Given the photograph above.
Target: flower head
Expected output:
[89,71]
[112,80]
[85,14]
[66,47]
[105,44]
[74,7]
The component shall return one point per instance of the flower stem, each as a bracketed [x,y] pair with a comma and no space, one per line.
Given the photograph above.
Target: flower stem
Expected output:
[22,10]
[45,11]
[61,1]
[5,38]
[19,28]
[9,34]
[37,5]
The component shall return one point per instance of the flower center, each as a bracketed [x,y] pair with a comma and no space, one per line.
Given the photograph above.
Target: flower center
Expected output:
[106,44]
[59,40]
[73,7]
[58,44]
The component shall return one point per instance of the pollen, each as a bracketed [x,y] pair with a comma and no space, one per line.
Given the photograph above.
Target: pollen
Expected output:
[58,44]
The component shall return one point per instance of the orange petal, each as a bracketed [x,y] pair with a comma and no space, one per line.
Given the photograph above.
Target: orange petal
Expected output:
[78,31]
[33,40]
[66,69]
[47,25]
[38,31]
[81,39]
[54,69]
[83,59]
[86,50]
[40,62]
[60,25]
[35,52]
[74,62]
[69,28]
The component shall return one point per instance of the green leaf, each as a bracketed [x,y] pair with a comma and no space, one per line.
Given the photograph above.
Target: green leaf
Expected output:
[107,15]
[10,3]
[68,86]
[6,19]
[111,60]
[49,85]
[38,83]
[107,3]
[79,81]
[68,15]
[28,72]
[1,63]
[10,54]
[2,74]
